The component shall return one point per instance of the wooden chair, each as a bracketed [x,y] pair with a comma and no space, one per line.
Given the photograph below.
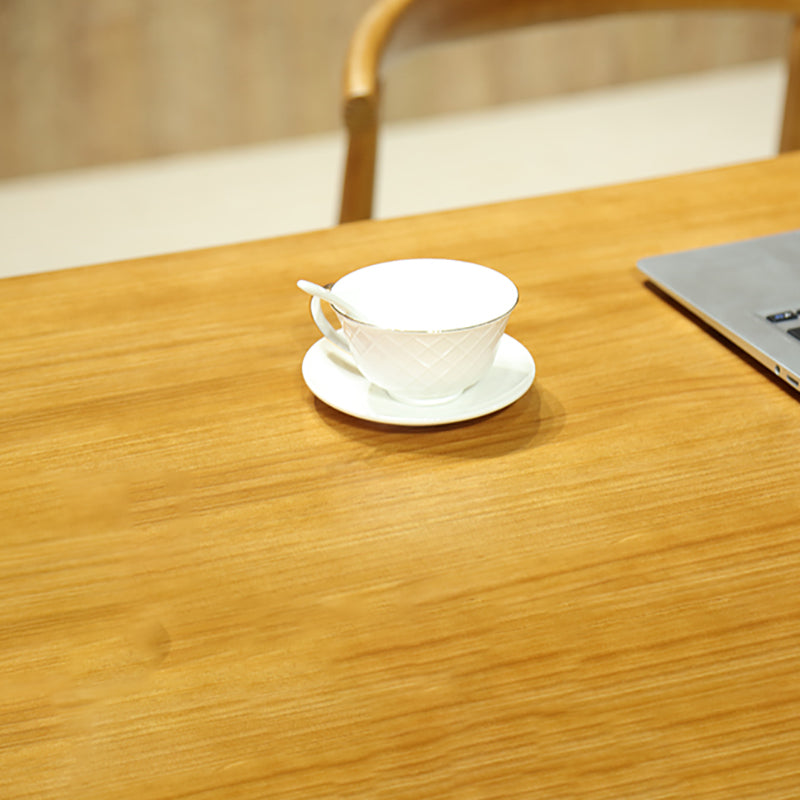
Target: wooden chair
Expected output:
[392,26]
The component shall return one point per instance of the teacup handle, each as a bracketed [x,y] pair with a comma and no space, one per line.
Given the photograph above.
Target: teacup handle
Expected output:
[327,330]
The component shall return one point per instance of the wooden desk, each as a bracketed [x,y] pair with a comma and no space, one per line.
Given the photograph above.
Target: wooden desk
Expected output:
[213,586]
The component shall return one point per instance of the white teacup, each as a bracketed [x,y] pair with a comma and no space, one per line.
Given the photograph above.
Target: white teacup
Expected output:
[436,325]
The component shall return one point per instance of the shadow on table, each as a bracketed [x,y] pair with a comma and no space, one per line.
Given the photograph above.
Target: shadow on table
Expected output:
[531,421]
[727,343]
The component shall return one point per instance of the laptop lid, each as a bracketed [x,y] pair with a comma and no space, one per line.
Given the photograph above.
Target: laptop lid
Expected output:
[748,291]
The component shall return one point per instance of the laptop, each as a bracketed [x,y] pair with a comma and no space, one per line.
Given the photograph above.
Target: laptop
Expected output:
[748,291]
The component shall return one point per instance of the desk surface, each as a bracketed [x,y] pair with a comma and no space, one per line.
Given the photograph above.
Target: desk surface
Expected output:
[214,586]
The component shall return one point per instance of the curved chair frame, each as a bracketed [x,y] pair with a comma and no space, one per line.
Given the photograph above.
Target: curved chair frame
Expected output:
[392,26]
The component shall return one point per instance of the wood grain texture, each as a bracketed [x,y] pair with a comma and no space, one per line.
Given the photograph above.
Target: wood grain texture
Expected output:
[214,586]
[87,82]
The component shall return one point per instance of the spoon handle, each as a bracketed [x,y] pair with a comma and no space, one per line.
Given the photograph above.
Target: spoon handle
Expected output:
[315,290]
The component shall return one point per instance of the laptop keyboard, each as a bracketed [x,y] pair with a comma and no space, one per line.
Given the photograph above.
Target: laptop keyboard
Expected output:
[786,316]
[782,316]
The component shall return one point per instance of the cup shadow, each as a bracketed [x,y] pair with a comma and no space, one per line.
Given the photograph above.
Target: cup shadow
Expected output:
[530,421]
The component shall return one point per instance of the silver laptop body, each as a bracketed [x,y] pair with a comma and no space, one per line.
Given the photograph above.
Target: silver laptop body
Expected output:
[748,291]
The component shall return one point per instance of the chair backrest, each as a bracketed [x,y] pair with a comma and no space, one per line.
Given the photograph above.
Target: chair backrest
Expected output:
[393,26]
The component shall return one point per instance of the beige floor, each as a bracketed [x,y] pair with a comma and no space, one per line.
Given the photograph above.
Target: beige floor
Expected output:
[620,134]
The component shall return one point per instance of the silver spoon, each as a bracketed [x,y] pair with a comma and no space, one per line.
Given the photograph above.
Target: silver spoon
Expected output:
[315,290]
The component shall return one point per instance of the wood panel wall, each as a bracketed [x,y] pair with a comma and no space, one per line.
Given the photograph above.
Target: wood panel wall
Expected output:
[87,82]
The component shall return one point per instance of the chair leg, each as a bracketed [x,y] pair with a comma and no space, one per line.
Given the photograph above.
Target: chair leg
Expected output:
[790,134]
[359,175]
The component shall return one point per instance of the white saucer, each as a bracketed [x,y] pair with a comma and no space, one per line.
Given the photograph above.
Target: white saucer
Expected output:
[333,378]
